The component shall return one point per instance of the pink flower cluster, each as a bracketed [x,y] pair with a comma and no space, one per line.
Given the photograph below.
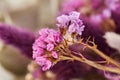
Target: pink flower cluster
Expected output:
[71,22]
[43,47]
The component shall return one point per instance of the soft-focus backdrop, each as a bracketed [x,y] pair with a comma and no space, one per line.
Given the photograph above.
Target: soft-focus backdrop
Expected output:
[101,21]
[30,14]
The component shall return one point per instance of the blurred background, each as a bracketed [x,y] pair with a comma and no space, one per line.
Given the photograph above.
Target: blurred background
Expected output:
[30,14]
[98,16]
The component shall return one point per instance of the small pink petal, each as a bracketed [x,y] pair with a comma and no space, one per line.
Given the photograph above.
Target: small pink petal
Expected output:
[54,54]
[74,15]
[50,47]
[47,65]
[38,52]
[44,62]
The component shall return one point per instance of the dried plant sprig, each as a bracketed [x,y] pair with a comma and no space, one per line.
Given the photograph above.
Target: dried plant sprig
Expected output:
[100,53]
[82,59]
[70,27]
[94,64]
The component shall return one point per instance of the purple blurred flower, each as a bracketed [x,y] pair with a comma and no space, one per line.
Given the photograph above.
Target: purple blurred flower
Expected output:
[19,38]
[96,4]
[71,5]
[111,76]
[67,70]
[71,22]
[43,47]
[95,9]
[113,5]
[100,17]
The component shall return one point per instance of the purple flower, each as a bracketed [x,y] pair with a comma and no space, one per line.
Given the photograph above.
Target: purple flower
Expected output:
[100,17]
[113,4]
[111,76]
[71,22]
[43,47]
[96,3]
[63,20]
[44,62]
[38,52]
[65,70]
[71,5]
[21,39]
[50,47]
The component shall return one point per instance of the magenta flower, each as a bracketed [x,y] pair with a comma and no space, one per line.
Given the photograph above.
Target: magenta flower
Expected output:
[50,47]
[71,22]
[43,47]
[100,17]
[113,4]
[44,62]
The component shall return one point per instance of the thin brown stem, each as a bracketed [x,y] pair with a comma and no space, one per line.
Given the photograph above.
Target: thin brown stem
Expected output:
[96,65]
[107,58]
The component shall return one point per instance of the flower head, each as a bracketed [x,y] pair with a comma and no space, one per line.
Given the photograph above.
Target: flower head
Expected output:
[43,61]
[71,23]
[43,47]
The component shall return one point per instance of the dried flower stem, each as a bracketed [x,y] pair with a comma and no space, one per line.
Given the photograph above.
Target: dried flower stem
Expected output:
[93,63]
[96,65]
[110,60]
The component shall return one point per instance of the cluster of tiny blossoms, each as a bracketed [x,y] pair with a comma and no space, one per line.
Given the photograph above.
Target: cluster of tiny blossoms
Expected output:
[44,51]
[43,47]
[71,22]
